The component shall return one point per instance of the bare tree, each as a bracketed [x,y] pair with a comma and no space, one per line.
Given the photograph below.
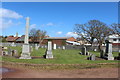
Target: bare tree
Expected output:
[93,29]
[37,35]
[33,35]
[116,28]
[41,35]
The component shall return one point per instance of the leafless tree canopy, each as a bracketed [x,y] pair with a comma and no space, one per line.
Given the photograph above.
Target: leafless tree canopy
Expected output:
[93,29]
[116,28]
[37,35]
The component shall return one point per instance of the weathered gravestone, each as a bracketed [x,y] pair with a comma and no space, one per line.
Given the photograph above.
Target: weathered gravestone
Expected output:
[54,46]
[108,53]
[36,46]
[31,48]
[101,54]
[15,53]
[4,53]
[48,53]
[83,50]
[9,52]
[26,49]
[13,44]
[63,47]
[92,57]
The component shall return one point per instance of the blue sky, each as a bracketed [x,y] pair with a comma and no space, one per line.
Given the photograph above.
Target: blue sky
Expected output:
[57,18]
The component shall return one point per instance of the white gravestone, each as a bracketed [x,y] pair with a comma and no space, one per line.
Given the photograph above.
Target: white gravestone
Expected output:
[54,47]
[110,55]
[63,47]
[26,48]
[49,50]
[36,46]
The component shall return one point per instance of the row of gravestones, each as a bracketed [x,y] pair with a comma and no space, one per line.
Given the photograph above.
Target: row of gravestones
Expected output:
[106,54]
[55,47]
[10,52]
[86,53]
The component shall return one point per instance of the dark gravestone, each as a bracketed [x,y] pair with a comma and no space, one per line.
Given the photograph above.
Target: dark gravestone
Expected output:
[83,50]
[102,54]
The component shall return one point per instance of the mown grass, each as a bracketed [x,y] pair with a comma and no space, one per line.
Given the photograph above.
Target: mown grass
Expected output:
[60,57]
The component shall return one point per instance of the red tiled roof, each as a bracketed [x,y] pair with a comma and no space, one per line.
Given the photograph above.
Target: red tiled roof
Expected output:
[71,39]
[11,38]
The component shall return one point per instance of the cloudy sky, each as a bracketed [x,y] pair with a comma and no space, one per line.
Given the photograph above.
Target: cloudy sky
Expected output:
[57,18]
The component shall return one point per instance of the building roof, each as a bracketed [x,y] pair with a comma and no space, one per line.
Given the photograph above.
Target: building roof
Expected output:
[11,38]
[21,38]
[57,38]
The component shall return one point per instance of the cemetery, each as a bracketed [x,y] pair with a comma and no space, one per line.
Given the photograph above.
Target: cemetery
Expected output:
[54,57]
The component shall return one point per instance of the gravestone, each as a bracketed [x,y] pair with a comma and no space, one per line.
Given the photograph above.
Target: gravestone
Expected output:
[36,47]
[4,53]
[84,50]
[48,53]
[63,47]
[31,48]
[15,53]
[13,44]
[54,47]
[102,54]
[25,48]
[42,46]
[45,46]
[4,48]
[95,49]
[108,53]
[9,52]
[92,57]
[59,47]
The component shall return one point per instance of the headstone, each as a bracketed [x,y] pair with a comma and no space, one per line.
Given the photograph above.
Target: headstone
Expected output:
[95,49]
[13,44]
[4,53]
[63,47]
[26,49]
[108,53]
[84,50]
[15,53]
[48,53]
[54,47]
[36,46]
[102,54]
[42,46]
[5,48]
[31,48]
[59,47]
[45,46]
[9,52]
[93,57]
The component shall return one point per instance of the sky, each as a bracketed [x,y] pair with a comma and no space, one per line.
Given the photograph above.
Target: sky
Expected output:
[57,18]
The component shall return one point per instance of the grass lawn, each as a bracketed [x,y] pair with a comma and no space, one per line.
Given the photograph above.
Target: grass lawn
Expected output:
[60,57]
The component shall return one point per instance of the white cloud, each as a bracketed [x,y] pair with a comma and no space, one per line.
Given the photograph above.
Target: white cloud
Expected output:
[33,26]
[59,32]
[6,13]
[71,34]
[5,23]
[49,24]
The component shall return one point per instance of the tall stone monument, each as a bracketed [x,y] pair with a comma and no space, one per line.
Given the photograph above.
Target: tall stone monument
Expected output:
[25,48]
[48,53]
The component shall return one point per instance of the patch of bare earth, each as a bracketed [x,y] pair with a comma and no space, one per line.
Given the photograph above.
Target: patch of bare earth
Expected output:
[24,72]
